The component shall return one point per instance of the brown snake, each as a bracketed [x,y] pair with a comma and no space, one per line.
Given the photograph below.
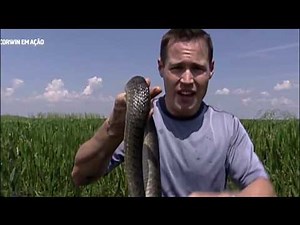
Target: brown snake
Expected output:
[142,168]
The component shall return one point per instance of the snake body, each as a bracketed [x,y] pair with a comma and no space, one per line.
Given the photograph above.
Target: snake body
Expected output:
[142,167]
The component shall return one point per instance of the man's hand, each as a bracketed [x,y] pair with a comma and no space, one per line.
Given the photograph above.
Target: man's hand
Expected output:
[211,194]
[117,118]
[153,93]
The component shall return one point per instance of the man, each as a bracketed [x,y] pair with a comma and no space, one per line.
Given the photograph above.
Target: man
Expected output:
[200,146]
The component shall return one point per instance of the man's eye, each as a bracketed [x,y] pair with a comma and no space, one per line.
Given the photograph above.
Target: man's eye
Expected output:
[198,69]
[176,68]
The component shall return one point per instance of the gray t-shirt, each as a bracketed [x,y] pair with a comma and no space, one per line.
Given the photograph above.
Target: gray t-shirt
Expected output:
[199,153]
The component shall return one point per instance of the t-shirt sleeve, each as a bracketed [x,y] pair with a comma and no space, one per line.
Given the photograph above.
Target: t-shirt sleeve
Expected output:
[243,164]
[117,158]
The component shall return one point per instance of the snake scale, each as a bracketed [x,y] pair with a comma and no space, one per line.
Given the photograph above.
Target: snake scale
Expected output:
[142,169]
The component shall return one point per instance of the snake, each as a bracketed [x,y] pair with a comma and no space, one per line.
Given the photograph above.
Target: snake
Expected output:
[142,166]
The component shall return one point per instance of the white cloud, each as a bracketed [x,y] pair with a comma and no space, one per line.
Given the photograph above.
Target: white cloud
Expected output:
[260,52]
[16,83]
[246,101]
[224,91]
[93,83]
[281,101]
[285,85]
[55,92]
[265,93]
[240,91]
[276,102]
[8,91]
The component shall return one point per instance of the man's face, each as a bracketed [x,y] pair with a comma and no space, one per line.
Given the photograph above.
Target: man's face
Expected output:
[186,73]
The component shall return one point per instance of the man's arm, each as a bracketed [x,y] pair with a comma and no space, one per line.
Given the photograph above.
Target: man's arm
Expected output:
[261,187]
[93,157]
[244,167]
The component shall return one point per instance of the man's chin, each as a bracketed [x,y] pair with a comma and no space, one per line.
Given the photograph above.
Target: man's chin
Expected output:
[186,110]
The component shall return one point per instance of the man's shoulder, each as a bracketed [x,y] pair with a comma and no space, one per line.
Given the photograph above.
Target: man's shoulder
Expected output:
[225,121]
[216,112]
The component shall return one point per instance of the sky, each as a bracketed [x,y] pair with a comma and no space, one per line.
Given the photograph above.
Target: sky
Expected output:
[71,71]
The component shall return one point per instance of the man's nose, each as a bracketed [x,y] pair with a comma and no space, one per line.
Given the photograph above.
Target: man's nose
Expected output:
[187,77]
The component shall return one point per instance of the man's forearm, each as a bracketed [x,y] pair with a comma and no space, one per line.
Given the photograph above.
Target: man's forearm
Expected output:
[259,188]
[93,156]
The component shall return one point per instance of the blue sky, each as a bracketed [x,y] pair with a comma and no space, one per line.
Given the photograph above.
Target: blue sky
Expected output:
[82,70]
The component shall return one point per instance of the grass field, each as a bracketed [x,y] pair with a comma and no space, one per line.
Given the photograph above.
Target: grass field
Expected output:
[37,155]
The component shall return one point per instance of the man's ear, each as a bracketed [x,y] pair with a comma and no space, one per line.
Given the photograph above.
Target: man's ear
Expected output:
[212,69]
[160,67]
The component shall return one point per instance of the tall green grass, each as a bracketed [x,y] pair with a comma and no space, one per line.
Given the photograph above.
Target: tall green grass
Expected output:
[37,155]
[277,144]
